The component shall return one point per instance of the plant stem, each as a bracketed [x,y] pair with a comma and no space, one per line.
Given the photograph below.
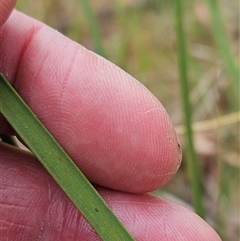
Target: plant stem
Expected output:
[221,41]
[60,166]
[182,65]
[92,23]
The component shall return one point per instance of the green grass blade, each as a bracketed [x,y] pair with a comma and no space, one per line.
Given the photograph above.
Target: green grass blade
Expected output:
[60,166]
[222,44]
[93,27]
[182,65]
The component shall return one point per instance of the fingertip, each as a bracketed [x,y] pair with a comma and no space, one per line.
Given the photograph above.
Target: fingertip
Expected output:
[32,204]
[149,217]
[117,132]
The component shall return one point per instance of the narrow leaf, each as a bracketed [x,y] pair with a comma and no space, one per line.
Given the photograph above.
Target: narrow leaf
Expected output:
[60,166]
[223,45]
[93,27]
[182,67]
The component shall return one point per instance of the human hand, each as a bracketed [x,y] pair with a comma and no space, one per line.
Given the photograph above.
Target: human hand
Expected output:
[112,127]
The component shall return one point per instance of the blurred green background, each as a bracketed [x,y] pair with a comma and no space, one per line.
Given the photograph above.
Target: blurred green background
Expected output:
[139,36]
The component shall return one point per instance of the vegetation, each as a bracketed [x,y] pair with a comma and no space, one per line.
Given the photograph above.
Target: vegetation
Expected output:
[141,38]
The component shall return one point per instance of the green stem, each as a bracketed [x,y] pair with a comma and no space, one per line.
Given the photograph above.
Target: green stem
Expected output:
[221,41]
[60,166]
[192,159]
[93,27]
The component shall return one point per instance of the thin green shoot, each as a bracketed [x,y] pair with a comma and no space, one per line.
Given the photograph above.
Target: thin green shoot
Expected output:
[93,28]
[60,166]
[182,66]
[221,40]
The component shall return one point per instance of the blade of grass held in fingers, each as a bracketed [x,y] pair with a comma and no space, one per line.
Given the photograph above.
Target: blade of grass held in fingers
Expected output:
[60,166]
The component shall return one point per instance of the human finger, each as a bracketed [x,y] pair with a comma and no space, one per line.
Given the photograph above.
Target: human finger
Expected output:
[32,207]
[114,129]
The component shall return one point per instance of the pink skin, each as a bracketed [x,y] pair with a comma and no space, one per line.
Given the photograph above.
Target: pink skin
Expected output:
[34,208]
[6,7]
[114,129]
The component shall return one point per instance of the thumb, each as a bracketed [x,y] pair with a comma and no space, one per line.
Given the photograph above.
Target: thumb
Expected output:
[6,7]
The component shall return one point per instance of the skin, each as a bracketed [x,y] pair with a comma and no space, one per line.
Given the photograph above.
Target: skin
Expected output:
[117,132]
